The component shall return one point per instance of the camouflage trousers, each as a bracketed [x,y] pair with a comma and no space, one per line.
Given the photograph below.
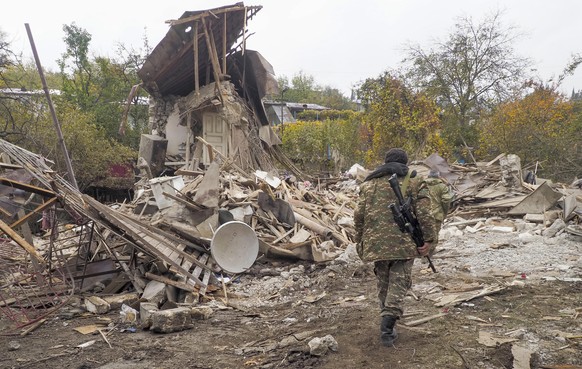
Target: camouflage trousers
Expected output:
[394,281]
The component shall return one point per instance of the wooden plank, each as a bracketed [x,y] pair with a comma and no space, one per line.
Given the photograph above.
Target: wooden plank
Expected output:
[26,187]
[180,285]
[109,214]
[423,320]
[213,58]
[196,57]
[203,260]
[224,45]
[21,242]
[205,281]
[35,211]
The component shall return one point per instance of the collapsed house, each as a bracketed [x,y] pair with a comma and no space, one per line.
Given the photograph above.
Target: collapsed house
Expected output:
[207,93]
[159,248]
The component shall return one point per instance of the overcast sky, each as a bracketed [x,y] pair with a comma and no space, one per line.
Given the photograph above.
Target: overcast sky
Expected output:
[339,42]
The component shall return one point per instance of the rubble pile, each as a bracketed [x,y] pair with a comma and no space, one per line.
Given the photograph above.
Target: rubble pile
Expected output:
[160,248]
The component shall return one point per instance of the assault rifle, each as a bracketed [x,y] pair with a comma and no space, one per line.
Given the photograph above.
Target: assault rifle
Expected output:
[405,218]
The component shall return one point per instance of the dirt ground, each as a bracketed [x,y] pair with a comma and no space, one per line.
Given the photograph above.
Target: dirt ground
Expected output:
[278,307]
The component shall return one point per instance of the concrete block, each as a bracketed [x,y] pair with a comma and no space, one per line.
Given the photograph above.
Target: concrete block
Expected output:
[97,305]
[154,292]
[172,320]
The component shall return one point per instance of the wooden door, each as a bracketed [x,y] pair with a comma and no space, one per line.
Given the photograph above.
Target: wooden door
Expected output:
[215,133]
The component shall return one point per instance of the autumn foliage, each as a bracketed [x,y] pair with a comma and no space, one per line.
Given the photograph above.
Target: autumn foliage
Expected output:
[540,128]
[398,117]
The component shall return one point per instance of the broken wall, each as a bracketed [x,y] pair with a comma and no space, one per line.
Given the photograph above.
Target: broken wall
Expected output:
[217,114]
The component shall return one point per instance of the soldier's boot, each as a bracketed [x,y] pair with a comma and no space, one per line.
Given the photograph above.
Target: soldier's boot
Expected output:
[387,330]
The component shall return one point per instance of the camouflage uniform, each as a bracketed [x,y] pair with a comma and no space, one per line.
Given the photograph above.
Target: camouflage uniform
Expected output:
[440,201]
[381,241]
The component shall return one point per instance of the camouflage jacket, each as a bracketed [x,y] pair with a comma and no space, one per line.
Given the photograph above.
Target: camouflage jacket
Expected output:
[440,198]
[377,234]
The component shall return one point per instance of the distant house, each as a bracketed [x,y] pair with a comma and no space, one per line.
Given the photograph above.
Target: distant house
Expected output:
[23,92]
[286,112]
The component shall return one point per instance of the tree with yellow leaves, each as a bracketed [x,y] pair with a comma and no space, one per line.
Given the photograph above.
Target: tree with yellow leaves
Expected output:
[541,127]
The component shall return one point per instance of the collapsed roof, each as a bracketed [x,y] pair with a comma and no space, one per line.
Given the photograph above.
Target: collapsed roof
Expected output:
[196,47]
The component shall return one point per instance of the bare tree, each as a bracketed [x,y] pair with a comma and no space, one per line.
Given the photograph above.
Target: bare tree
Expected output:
[473,69]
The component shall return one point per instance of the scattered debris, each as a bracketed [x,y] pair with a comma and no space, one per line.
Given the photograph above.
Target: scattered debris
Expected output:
[489,340]
[319,346]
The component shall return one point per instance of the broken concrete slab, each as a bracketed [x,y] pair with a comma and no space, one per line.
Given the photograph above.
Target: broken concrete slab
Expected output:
[154,292]
[535,218]
[542,199]
[570,204]
[208,190]
[557,226]
[171,320]
[97,305]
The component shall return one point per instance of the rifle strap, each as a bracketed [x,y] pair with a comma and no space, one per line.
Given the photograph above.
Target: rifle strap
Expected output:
[404,186]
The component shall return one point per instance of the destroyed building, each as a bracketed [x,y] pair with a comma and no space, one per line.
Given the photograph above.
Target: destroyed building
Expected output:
[207,93]
[160,243]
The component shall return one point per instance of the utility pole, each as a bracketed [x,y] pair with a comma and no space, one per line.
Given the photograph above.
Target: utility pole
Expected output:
[52,109]
[282,106]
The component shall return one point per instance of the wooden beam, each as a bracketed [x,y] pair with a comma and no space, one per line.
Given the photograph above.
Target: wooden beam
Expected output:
[213,12]
[224,44]
[423,320]
[213,57]
[21,242]
[188,134]
[26,187]
[196,66]
[165,280]
[35,211]
[188,204]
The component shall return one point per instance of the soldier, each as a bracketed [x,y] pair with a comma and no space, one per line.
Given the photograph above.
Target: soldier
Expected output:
[440,196]
[379,239]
